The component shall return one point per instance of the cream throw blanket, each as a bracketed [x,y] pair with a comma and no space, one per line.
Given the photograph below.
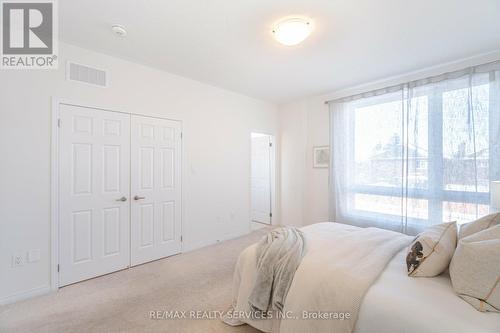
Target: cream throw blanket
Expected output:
[339,265]
[278,256]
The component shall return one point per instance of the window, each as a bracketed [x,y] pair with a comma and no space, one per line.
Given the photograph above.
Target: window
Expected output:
[418,155]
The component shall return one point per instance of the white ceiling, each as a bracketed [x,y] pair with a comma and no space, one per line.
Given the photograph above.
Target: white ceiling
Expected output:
[227,43]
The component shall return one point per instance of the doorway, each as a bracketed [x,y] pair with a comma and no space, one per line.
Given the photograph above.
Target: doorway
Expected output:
[262,177]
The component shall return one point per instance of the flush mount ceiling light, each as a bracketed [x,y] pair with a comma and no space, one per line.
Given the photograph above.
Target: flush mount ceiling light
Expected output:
[292,30]
[119,30]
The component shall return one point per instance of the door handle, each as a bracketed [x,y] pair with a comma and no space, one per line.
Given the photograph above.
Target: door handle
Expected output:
[122,199]
[139,198]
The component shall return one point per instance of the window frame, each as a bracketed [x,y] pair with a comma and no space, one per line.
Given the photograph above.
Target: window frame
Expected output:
[435,193]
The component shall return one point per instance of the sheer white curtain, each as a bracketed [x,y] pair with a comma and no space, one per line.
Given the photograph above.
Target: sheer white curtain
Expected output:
[417,154]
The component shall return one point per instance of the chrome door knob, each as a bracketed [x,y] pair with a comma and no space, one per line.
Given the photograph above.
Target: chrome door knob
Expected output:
[139,198]
[122,199]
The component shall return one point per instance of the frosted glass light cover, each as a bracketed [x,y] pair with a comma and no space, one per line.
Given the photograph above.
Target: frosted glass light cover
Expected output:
[292,31]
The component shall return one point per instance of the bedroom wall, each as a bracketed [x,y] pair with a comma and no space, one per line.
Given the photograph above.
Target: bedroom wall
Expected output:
[293,138]
[313,130]
[216,156]
[304,191]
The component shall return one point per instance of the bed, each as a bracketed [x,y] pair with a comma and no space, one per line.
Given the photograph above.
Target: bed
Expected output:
[393,303]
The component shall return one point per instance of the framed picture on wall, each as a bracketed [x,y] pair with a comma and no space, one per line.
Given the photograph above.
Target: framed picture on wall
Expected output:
[321,156]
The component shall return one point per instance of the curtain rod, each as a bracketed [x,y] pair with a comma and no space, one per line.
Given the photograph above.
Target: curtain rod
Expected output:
[486,67]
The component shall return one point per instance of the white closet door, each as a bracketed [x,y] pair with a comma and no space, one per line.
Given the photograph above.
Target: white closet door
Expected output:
[155,188]
[94,175]
[261,178]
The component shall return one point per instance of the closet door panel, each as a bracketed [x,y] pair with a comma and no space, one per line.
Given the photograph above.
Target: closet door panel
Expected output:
[155,188]
[94,185]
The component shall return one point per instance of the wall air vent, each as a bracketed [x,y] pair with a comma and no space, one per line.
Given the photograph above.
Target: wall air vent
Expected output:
[86,74]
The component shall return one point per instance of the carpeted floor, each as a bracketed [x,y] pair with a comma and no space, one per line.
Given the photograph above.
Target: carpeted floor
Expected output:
[122,301]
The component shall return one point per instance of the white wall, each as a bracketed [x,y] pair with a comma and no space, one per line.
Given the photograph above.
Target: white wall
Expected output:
[293,146]
[216,157]
[304,189]
[305,124]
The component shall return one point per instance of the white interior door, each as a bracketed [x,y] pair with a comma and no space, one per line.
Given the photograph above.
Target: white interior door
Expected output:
[94,180]
[155,188]
[261,178]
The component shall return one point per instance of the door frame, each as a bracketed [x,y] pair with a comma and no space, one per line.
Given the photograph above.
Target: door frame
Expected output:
[273,164]
[54,177]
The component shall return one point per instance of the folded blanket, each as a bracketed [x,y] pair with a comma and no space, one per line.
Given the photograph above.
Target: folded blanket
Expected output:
[278,255]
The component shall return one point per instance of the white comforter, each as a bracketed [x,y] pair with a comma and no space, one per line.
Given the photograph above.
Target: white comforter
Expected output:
[396,303]
[340,263]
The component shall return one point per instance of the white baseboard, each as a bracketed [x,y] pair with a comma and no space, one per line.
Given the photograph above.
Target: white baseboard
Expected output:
[201,244]
[257,225]
[37,291]
[197,245]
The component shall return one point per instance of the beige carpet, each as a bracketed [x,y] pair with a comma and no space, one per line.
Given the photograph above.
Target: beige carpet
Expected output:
[122,301]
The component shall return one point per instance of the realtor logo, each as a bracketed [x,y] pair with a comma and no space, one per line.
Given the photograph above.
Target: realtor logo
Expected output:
[29,34]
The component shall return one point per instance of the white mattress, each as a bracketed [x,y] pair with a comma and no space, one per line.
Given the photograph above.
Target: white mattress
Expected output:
[396,303]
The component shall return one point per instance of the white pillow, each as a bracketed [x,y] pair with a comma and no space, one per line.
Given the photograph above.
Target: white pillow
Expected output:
[484,222]
[475,269]
[431,252]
